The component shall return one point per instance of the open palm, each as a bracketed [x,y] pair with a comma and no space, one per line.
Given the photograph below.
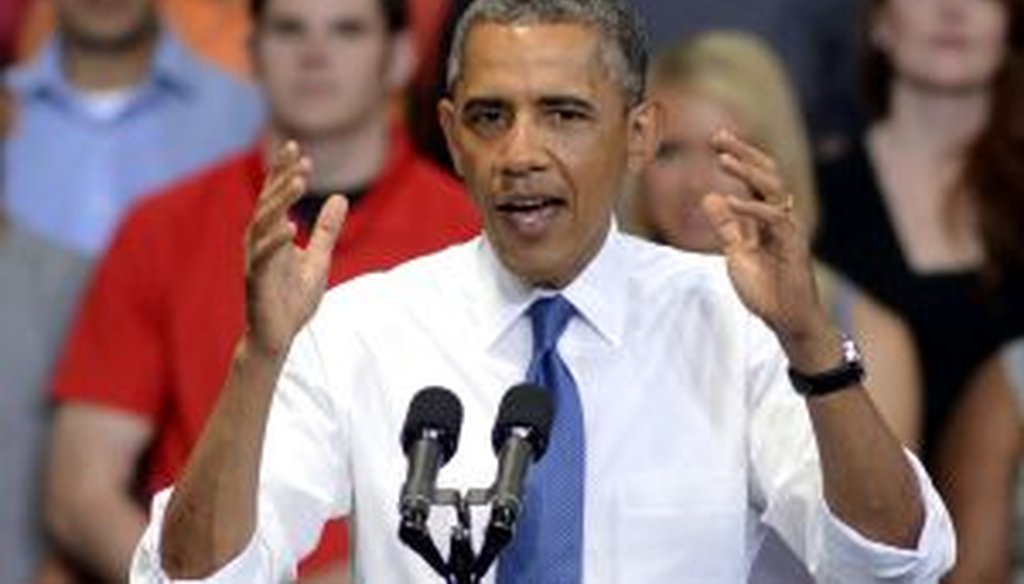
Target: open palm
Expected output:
[284,282]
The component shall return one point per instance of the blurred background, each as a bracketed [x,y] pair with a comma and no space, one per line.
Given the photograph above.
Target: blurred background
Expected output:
[133,135]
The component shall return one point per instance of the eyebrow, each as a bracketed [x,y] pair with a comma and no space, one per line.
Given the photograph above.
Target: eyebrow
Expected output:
[484,102]
[552,101]
[570,101]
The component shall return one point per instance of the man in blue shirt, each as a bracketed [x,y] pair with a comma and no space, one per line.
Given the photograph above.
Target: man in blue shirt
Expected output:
[112,109]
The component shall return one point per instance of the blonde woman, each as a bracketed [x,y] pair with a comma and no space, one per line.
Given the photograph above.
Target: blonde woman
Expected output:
[716,80]
[733,80]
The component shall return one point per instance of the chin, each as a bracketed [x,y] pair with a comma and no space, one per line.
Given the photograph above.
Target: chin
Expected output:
[310,127]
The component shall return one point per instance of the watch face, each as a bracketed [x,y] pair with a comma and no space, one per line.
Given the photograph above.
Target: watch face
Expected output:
[851,354]
[849,373]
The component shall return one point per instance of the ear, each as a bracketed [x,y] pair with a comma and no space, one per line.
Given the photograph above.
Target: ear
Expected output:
[645,122]
[403,61]
[446,115]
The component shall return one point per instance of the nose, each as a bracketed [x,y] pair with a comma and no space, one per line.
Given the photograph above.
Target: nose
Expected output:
[524,151]
[314,51]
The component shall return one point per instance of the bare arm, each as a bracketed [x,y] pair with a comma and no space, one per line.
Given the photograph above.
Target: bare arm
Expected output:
[89,508]
[891,357]
[977,467]
[868,481]
[212,514]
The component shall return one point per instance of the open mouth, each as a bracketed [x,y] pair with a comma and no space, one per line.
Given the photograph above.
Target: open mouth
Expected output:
[531,215]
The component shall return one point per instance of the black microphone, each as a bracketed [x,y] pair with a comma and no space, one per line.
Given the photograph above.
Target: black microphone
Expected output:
[519,438]
[429,439]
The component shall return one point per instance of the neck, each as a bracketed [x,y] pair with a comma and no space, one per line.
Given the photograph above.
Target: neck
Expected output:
[354,158]
[97,69]
[934,123]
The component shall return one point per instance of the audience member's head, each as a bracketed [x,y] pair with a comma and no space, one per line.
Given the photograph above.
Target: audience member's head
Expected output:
[106,26]
[545,119]
[715,81]
[959,49]
[938,46]
[328,66]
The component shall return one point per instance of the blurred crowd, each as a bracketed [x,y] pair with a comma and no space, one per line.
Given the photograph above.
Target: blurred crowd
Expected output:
[134,136]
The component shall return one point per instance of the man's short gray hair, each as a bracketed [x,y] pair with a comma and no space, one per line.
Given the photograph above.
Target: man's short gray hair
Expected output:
[623,38]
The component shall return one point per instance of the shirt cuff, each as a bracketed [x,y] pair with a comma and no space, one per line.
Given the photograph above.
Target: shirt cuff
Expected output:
[855,558]
[247,567]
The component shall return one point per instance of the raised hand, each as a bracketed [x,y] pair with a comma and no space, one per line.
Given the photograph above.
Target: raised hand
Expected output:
[283,282]
[766,247]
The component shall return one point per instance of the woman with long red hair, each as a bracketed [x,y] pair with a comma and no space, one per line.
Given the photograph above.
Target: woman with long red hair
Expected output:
[926,217]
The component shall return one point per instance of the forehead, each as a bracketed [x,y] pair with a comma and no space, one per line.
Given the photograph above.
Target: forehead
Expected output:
[320,10]
[533,60]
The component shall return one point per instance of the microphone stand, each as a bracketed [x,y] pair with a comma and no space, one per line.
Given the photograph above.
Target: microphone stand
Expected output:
[464,565]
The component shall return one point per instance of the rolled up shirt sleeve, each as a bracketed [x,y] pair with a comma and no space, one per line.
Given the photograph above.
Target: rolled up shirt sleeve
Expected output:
[788,491]
[253,564]
[304,480]
[851,557]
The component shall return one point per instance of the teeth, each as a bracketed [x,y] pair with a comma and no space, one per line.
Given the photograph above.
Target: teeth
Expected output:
[531,204]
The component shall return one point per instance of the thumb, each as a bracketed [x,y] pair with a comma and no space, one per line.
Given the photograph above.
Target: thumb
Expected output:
[328,226]
[723,219]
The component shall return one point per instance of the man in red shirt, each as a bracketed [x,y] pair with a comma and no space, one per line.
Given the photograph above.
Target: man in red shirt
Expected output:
[152,343]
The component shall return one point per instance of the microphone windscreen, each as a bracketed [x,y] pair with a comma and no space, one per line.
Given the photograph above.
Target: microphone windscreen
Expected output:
[434,408]
[529,406]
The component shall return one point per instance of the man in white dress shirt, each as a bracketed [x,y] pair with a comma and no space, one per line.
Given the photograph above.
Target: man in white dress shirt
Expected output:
[697,440]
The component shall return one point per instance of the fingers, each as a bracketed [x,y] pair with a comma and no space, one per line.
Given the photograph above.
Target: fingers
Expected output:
[284,157]
[281,191]
[286,182]
[262,248]
[746,223]
[765,184]
[727,142]
[328,226]
[726,224]
[772,215]
[750,165]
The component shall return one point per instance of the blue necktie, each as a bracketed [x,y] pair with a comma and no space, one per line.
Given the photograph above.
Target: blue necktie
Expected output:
[548,544]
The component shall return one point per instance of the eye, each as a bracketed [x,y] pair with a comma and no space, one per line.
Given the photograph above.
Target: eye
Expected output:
[285,29]
[350,28]
[669,151]
[487,119]
[566,115]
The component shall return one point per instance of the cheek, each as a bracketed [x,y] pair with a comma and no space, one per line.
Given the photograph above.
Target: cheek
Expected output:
[663,183]
[360,66]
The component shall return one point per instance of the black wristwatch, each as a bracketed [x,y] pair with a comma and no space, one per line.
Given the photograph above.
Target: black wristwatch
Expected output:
[849,373]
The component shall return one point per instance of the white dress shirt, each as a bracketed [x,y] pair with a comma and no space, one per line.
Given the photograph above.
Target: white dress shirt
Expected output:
[696,442]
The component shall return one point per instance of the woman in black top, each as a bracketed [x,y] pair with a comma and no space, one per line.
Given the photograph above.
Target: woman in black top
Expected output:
[926,218]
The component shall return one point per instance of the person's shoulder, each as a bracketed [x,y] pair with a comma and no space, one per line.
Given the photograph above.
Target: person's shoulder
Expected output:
[663,276]
[658,264]
[421,280]
[436,177]
[437,198]
[212,86]
[207,192]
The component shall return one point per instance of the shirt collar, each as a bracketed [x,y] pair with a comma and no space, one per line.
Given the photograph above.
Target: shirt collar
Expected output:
[598,292]
[173,67]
